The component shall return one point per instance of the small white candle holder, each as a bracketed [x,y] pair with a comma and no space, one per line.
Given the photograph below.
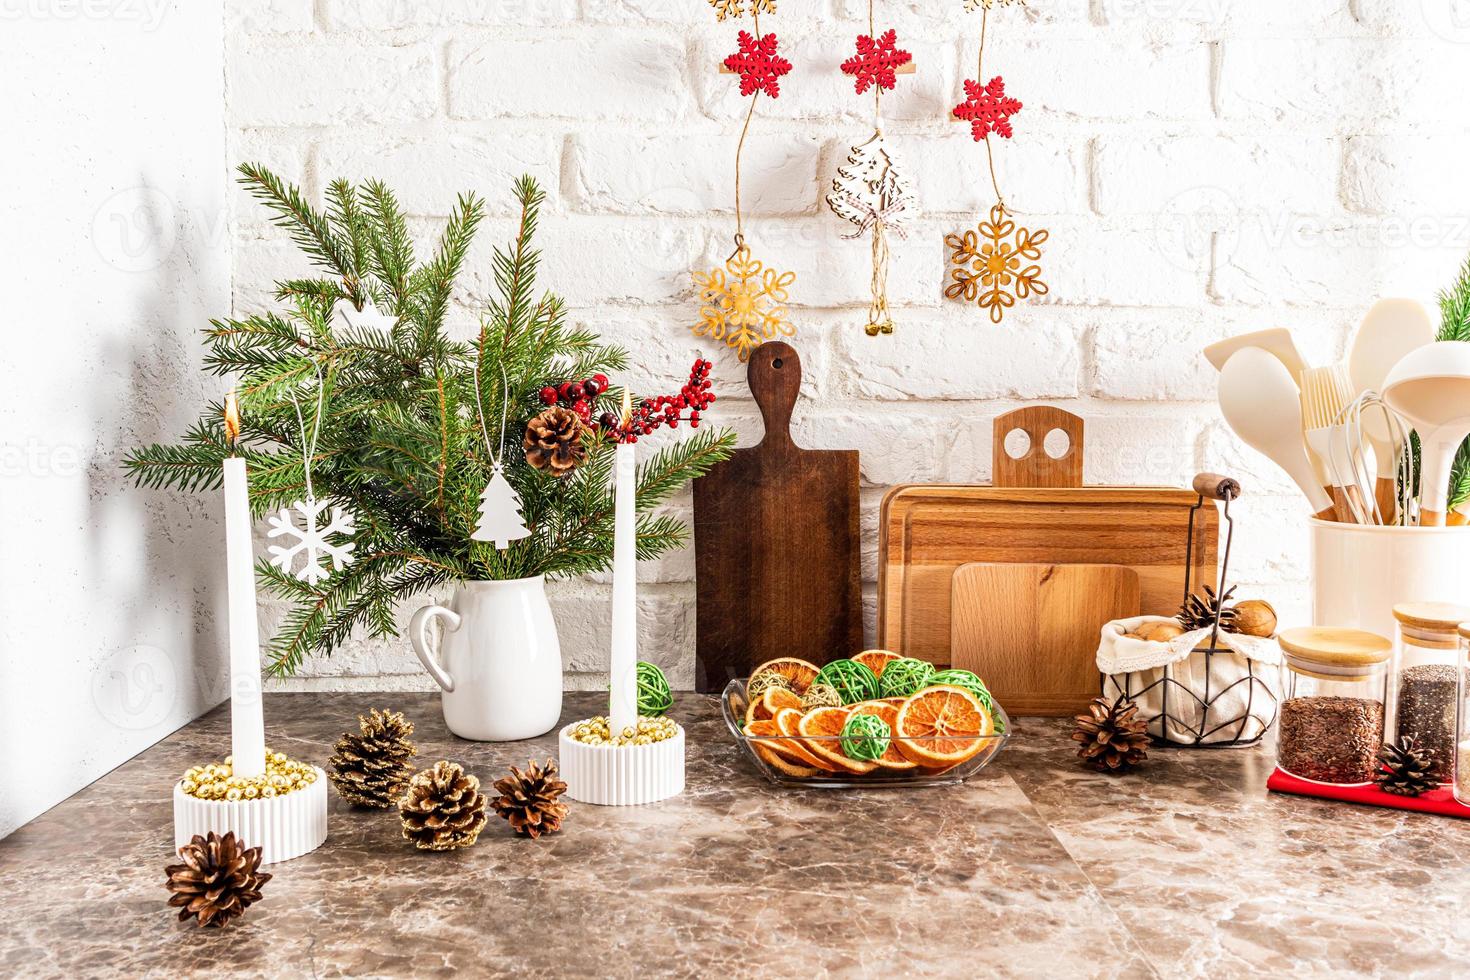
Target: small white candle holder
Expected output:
[283,827]
[621,775]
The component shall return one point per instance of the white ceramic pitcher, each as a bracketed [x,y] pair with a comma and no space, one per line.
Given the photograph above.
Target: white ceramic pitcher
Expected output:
[499,661]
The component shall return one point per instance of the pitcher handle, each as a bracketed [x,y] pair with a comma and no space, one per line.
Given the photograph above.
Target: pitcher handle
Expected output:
[418,634]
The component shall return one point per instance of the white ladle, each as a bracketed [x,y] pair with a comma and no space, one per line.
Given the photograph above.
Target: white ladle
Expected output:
[1392,328]
[1430,388]
[1262,404]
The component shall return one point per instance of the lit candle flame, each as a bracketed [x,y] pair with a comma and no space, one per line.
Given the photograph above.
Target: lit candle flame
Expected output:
[232,419]
[627,407]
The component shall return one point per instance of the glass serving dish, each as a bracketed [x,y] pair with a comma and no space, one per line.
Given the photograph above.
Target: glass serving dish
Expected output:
[765,753]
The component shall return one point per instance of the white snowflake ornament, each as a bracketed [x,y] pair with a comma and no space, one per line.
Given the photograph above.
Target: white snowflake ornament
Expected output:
[313,541]
[369,316]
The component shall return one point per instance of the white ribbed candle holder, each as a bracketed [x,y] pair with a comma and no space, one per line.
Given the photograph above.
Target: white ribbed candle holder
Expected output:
[283,827]
[622,775]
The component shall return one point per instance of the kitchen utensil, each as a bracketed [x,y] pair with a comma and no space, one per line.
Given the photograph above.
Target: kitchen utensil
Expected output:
[776,543]
[1030,630]
[1262,404]
[1430,388]
[1391,329]
[926,532]
[1276,341]
[1353,465]
[1325,393]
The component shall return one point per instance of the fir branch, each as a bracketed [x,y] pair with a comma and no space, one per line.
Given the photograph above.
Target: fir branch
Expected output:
[309,228]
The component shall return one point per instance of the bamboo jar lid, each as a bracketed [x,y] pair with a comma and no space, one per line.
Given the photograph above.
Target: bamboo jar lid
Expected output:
[1431,617]
[1334,652]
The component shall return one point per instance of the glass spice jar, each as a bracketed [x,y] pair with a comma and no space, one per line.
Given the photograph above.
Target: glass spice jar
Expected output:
[1336,691]
[1424,690]
[1462,717]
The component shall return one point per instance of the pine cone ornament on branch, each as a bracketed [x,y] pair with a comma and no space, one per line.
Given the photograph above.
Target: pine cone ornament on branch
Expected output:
[1409,768]
[1114,739]
[372,768]
[531,800]
[1199,613]
[217,881]
[553,441]
[443,808]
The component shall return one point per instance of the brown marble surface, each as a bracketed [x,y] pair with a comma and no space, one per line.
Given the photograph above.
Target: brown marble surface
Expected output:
[1034,868]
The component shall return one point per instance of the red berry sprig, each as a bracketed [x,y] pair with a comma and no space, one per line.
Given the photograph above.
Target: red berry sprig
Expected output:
[651,413]
[576,395]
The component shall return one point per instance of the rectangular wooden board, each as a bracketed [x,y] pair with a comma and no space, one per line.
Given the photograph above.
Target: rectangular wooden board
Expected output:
[1031,630]
[928,531]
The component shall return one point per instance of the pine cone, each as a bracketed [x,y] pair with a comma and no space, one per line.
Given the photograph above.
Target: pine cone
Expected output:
[531,801]
[219,878]
[1409,768]
[443,808]
[554,441]
[372,768]
[1113,737]
[1198,614]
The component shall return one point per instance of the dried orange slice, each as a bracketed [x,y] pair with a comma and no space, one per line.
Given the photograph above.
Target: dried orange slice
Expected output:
[787,722]
[780,755]
[876,660]
[891,759]
[942,726]
[778,699]
[821,728]
[798,672]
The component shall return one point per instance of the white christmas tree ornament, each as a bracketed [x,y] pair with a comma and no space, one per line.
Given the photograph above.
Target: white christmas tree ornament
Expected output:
[500,512]
[871,191]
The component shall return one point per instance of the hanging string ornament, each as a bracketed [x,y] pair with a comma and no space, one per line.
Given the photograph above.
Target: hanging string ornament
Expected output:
[500,506]
[869,191]
[998,263]
[743,304]
[313,539]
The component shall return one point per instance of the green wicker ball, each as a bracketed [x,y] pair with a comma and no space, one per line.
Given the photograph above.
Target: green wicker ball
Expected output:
[764,682]
[853,681]
[821,696]
[970,682]
[904,677]
[865,737]
[654,695]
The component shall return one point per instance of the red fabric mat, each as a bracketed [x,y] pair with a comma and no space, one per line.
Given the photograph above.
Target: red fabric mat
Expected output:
[1441,801]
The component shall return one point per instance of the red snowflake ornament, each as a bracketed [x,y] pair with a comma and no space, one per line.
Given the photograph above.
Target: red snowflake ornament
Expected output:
[876,61]
[987,108]
[758,65]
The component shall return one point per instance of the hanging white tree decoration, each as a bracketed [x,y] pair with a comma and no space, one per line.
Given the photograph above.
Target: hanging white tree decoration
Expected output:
[312,539]
[500,512]
[369,316]
[872,194]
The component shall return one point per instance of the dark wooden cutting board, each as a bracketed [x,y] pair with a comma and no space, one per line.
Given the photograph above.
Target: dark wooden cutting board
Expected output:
[776,543]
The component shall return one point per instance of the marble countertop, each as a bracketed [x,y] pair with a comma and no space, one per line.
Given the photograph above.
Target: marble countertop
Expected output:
[1036,867]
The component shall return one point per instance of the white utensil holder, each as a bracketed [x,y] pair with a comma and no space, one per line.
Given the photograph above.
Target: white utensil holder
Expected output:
[1360,572]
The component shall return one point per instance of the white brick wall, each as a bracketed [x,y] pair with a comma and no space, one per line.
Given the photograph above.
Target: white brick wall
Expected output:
[1205,167]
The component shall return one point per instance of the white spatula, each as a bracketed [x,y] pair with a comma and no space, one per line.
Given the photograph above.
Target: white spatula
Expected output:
[1262,404]
[1392,328]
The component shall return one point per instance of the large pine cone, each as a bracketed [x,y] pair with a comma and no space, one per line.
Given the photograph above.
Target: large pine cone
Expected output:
[443,808]
[219,878]
[554,441]
[530,800]
[372,768]
[1199,613]
[1113,737]
[1409,769]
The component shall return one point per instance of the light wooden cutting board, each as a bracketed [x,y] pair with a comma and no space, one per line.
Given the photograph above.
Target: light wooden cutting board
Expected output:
[1031,630]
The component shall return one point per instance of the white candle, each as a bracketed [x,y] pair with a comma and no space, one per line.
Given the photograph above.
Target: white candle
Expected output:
[247,723]
[623,711]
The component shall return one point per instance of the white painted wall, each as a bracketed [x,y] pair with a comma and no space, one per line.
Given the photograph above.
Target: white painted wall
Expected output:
[1206,167]
[112,254]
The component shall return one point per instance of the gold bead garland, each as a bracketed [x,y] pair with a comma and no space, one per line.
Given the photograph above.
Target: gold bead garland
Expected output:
[594,731]
[217,780]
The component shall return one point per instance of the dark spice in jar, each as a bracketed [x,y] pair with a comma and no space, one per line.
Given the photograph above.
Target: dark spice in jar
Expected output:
[1427,712]
[1331,739]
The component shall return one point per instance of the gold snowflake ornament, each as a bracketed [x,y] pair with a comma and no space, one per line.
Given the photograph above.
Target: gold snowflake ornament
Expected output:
[736,8]
[974,5]
[1000,271]
[743,305]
